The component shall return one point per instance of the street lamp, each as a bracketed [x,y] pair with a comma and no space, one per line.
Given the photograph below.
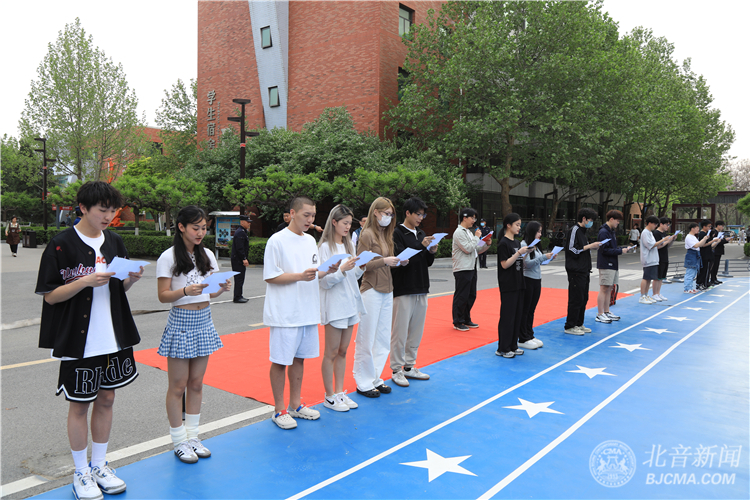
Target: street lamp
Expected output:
[45,160]
[243,134]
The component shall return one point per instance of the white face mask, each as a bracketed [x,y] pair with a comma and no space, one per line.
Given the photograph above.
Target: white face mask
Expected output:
[385,221]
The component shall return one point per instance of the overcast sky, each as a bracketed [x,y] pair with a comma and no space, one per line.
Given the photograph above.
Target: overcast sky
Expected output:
[156,42]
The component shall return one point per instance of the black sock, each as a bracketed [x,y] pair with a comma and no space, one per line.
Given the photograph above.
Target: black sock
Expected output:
[407,369]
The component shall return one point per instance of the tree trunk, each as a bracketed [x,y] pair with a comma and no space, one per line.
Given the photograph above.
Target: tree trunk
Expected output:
[137,214]
[167,221]
[505,181]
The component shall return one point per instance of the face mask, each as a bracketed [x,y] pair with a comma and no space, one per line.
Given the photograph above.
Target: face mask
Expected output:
[385,221]
[482,224]
[589,224]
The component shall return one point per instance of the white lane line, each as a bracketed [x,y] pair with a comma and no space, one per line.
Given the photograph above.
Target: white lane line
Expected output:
[30,482]
[28,363]
[232,300]
[21,323]
[633,290]
[562,437]
[471,410]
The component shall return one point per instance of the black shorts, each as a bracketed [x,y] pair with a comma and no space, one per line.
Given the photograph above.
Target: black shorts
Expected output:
[651,273]
[663,267]
[81,379]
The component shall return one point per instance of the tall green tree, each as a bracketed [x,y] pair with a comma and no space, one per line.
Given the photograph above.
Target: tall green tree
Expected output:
[82,103]
[177,117]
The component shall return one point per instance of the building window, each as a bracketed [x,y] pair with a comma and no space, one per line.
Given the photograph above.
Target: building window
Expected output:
[405,19]
[273,96]
[265,37]
[403,79]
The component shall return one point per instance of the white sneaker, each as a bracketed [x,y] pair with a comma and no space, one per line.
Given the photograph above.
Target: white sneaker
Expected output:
[603,318]
[538,342]
[185,453]
[662,297]
[611,316]
[656,298]
[106,480]
[303,411]
[399,379]
[529,344]
[335,403]
[84,486]
[574,331]
[584,329]
[644,300]
[284,420]
[198,448]
[416,374]
[348,401]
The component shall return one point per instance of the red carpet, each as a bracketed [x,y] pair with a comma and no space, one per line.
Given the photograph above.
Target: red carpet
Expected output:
[242,366]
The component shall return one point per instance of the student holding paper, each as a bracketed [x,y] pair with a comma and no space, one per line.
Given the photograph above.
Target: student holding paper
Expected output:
[464,256]
[340,306]
[372,345]
[512,285]
[411,284]
[707,255]
[532,277]
[189,337]
[692,263]
[578,266]
[650,259]
[659,234]
[87,323]
[607,258]
[718,251]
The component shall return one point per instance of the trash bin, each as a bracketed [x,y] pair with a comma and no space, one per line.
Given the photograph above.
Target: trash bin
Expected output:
[29,238]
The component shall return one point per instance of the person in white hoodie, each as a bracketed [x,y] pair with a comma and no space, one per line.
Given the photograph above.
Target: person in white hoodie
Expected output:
[650,258]
[340,305]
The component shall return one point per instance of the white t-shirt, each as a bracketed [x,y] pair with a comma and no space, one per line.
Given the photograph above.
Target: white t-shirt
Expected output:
[164,270]
[101,337]
[691,241]
[634,234]
[294,304]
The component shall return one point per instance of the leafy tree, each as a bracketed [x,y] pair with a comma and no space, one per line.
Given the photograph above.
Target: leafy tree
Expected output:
[744,205]
[65,195]
[21,204]
[137,185]
[178,120]
[82,102]
[169,193]
[217,168]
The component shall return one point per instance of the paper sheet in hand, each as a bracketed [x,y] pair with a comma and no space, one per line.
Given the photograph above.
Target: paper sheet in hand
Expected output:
[604,241]
[555,251]
[407,254]
[214,280]
[438,237]
[327,264]
[720,235]
[534,243]
[122,267]
[366,257]
[678,232]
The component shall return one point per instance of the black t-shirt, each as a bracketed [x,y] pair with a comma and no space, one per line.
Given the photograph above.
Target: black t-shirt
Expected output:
[707,253]
[663,251]
[511,279]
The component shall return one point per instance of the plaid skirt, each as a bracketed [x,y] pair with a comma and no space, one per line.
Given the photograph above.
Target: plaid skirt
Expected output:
[189,334]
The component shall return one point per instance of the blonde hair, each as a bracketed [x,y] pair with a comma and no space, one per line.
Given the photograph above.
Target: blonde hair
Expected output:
[382,234]
[338,213]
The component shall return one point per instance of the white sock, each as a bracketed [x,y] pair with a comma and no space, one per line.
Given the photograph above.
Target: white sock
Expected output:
[98,454]
[178,434]
[80,459]
[191,425]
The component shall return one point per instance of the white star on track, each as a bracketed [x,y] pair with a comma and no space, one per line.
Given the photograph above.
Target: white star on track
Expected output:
[437,466]
[533,408]
[694,308]
[591,372]
[656,330]
[629,347]
[679,318]
[708,301]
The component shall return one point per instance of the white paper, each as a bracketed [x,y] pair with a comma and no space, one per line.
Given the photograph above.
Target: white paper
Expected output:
[678,232]
[327,264]
[555,251]
[438,237]
[366,257]
[121,267]
[214,280]
[407,254]
[533,243]
[605,241]
[720,235]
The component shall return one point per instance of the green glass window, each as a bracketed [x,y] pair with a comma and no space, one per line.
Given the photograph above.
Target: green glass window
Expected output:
[265,37]
[273,96]
[405,18]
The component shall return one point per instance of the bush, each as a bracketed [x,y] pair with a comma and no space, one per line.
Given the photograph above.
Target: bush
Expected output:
[257,250]
[544,244]
[142,225]
[445,248]
[746,249]
[146,246]
[622,240]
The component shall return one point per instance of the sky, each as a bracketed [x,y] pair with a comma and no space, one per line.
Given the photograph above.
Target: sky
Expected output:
[156,42]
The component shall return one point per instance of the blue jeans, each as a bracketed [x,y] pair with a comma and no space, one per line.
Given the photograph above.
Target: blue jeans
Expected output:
[690,274]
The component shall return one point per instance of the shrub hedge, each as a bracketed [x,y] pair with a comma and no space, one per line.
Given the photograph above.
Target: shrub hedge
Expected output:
[746,249]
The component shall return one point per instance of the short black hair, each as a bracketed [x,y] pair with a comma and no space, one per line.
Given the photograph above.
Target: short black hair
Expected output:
[614,214]
[705,222]
[719,223]
[589,213]
[99,192]
[652,219]
[300,201]
[692,225]
[665,220]
[467,212]
[414,205]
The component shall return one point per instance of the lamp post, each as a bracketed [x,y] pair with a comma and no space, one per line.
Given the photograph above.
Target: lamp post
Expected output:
[45,160]
[243,134]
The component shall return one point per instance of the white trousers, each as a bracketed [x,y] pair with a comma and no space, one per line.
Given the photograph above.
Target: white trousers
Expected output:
[373,341]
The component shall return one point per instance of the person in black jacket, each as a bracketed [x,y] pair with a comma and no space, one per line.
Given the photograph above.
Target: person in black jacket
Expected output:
[240,248]
[578,268]
[411,284]
[485,231]
[86,321]
[707,255]
[608,265]
[718,251]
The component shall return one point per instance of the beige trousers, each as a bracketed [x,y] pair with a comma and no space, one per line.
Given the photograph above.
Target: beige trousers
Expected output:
[409,312]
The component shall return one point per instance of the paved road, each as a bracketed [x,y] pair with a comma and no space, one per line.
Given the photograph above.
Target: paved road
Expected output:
[34,440]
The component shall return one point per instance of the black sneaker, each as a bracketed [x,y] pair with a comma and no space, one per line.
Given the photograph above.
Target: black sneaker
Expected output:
[471,325]
[384,389]
[372,393]
[461,328]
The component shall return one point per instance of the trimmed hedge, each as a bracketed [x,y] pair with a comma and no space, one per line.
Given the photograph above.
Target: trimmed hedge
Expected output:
[142,225]
[746,249]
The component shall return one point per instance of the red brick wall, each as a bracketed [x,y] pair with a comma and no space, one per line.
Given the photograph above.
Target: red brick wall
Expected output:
[226,65]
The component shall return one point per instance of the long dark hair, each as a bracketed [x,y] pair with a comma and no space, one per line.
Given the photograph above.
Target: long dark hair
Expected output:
[183,264]
[529,235]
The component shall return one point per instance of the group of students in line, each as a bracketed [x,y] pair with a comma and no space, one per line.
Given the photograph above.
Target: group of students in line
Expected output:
[705,247]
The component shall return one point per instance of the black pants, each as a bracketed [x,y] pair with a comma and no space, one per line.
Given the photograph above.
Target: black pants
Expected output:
[578,296]
[239,279]
[530,300]
[14,248]
[715,267]
[511,316]
[464,296]
[705,272]
[483,260]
